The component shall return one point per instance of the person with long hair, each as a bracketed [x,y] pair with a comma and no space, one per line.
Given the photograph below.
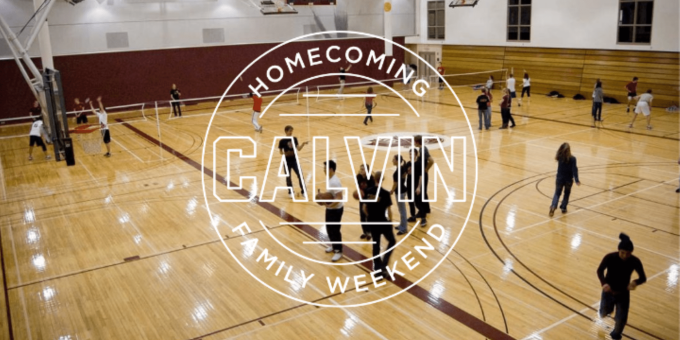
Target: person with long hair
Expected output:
[526,88]
[598,98]
[567,173]
[505,109]
[399,191]
[490,84]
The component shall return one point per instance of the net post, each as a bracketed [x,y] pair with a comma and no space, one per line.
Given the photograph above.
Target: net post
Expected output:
[158,121]
[143,115]
[307,96]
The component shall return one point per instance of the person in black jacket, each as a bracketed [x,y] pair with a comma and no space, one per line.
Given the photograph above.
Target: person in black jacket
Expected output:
[616,283]
[379,214]
[174,97]
[567,172]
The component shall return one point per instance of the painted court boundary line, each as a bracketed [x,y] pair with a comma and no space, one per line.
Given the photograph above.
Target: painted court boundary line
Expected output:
[442,305]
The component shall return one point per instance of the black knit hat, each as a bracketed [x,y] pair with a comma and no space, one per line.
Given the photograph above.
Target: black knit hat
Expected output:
[626,243]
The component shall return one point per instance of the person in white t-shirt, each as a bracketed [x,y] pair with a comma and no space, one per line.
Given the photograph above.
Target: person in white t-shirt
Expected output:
[36,138]
[644,106]
[526,88]
[103,125]
[511,87]
[334,210]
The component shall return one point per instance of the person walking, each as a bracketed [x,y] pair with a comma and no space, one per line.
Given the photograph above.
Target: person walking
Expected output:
[567,173]
[598,98]
[616,283]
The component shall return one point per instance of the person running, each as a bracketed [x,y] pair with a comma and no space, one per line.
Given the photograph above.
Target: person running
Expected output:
[399,192]
[505,110]
[526,88]
[334,210]
[380,215]
[103,125]
[174,97]
[441,70]
[342,78]
[257,108]
[616,283]
[510,84]
[598,98]
[422,166]
[287,147]
[644,106]
[35,137]
[81,113]
[369,104]
[482,109]
[489,84]
[631,87]
[365,183]
[35,110]
[567,172]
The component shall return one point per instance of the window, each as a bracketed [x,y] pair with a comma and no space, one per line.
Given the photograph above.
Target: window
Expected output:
[435,19]
[635,21]
[519,20]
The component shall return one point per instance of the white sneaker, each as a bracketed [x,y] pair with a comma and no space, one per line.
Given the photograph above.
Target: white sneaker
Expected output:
[48,157]
[336,257]
[329,249]
[30,158]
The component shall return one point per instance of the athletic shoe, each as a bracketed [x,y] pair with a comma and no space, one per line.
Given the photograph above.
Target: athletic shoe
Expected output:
[677,190]
[108,154]
[649,127]
[630,126]
[411,219]
[552,211]
[423,222]
[261,127]
[502,127]
[329,249]
[30,158]
[564,211]
[628,109]
[48,157]
[512,126]
[336,257]
[363,236]
[401,233]
[518,104]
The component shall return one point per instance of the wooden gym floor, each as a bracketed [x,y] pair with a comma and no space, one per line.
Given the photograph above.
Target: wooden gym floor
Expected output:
[123,247]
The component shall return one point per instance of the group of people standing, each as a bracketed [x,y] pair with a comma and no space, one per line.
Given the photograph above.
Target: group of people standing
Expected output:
[409,179]
[485,100]
[643,103]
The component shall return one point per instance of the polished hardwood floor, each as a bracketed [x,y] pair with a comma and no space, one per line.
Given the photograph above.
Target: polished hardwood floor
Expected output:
[124,248]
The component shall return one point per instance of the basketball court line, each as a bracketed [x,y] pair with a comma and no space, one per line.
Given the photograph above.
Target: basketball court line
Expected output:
[130,152]
[583,311]
[2,180]
[338,114]
[527,268]
[442,305]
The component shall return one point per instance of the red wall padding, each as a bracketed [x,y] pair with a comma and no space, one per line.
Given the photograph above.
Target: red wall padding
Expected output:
[146,76]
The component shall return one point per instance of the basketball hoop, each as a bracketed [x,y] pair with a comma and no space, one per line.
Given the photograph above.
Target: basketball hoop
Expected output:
[463,3]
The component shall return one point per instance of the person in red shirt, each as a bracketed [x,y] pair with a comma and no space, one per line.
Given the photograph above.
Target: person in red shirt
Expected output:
[81,114]
[505,110]
[36,110]
[369,104]
[257,108]
[441,70]
[632,91]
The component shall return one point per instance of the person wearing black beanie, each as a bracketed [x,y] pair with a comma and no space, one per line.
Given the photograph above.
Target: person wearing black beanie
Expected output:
[616,283]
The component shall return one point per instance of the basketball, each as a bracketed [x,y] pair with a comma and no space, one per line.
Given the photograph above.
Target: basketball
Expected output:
[356,195]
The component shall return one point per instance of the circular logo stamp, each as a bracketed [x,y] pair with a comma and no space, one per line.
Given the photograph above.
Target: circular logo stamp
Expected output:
[309,206]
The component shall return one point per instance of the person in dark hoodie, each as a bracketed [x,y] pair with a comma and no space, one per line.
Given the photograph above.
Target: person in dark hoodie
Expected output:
[616,283]
[567,172]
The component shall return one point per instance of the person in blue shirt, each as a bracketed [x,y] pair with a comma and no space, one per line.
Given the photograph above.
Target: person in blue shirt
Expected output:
[567,173]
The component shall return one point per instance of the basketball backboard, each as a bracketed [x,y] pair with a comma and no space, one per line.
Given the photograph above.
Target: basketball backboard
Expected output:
[463,3]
